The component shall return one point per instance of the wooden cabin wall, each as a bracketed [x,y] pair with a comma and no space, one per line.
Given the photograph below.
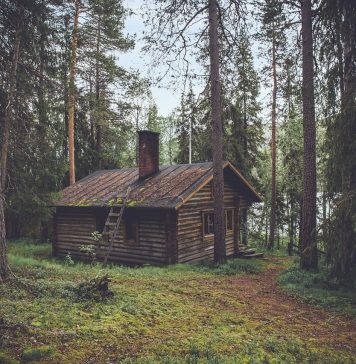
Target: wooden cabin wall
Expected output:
[154,228]
[192,247]
[73,227]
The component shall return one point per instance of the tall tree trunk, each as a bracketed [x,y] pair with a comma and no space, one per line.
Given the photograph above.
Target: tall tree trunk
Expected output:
[215,94]
[244,211]
[244,216]
[71,94]
[325,222]
[91,115]
[5,137]
[309,257]
[97,97]
[273,146]
[300,224]
[266,227]
[291,228]
[65,86]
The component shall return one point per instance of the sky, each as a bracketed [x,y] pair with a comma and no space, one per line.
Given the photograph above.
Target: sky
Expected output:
[165,99]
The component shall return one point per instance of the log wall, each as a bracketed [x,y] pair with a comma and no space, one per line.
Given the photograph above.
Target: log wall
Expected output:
[74,226]
[150,247]
[72,229]
[163,236]
[192,245]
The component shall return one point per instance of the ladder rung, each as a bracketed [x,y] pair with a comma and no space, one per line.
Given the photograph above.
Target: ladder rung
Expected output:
[111,223]
[114,214]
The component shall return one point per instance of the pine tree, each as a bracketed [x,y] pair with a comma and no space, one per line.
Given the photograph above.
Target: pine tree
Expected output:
[8,105]
[273,19]
[309,256]
[186,124]
[243,128]
[215,95]
[102,36]
[338,52]
[71,91]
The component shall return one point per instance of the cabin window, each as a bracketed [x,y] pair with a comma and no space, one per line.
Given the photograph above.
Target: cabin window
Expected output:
[101,215]
[229,220]
[131,227]
[208,222]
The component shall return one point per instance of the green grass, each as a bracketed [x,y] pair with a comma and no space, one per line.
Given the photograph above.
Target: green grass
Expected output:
[318,289]
[31,355]
[175,314]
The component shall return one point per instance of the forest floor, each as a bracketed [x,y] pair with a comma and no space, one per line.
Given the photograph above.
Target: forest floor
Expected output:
[237,313]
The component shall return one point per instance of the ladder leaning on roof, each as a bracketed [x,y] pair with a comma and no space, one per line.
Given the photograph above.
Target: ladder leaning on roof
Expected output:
[106,231]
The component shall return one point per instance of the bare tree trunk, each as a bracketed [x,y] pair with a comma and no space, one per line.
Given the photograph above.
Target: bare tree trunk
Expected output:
[266,227]
[71,94]
[244,216]
[91,114]
[291,229]
[300,224]
[309,257]
[273,146]
[244,211]
[5,137]
[65,87]
[97,97]
[218,181]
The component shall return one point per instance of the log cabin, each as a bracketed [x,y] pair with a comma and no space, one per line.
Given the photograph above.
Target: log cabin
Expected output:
[167,218]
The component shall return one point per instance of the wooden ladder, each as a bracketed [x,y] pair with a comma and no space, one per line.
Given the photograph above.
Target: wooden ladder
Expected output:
[112,235]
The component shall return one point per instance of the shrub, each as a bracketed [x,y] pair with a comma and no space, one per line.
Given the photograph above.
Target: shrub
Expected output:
[232,267]
[96,289]
[5,359]
[32,354]
[319,288]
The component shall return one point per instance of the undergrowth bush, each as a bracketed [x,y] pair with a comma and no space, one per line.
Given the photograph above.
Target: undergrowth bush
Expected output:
[5,359]
[319,288]
[232,266]
[276,350]
[33,354]
[96,289]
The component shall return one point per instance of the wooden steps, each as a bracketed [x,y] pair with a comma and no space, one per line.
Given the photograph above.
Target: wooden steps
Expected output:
[249,253]
[253,255]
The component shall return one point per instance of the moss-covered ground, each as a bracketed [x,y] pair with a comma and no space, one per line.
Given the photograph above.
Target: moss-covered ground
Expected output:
[235,313]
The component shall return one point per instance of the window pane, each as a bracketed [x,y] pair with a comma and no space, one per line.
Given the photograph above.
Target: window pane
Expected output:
[208,223]
[229,220]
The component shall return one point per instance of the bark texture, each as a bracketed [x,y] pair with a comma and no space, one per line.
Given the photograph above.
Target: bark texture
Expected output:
[97,97]
[215,94]
[309,257]
[273,147]
[71,95]
[5,137]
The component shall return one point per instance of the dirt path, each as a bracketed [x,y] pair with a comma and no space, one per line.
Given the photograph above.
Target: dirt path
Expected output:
[265,302]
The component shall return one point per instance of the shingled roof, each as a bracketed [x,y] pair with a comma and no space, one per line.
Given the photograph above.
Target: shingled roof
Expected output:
[169,188]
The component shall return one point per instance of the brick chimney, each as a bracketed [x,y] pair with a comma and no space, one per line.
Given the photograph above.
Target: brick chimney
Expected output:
[148,153]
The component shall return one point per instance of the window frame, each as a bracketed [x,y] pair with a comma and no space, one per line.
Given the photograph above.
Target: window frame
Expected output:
[207,212]
[228,232]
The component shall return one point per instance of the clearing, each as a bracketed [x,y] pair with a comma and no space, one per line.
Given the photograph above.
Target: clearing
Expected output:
[180,314]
